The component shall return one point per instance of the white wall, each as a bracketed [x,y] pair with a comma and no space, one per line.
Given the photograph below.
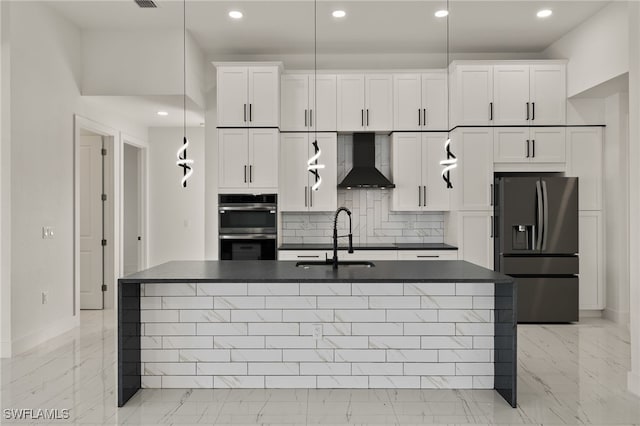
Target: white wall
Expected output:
[597,49]
[145,62]
[131,208]
[211,245]
[634,192]
[176,214]
[616,200]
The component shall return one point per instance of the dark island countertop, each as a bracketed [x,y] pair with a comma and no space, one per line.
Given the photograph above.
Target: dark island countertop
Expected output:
[441,271]
[398,246]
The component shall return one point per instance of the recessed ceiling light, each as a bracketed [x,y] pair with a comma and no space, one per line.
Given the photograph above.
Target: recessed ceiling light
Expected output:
[235,14]
[544,13]
[339,13]
[441,13]
[163,113]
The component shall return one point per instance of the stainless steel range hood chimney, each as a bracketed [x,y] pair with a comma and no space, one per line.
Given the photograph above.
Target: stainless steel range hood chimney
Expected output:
[364,173]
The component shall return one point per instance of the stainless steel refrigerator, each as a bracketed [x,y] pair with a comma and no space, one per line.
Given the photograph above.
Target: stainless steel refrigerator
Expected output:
[536,219]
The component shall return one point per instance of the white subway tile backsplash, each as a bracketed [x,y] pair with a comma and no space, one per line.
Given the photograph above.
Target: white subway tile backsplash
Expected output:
[377,289]
[412,355]
[430,289]
[186,382]
[446,382]
[274,329]
[222,289]
[307,355]
[290,382]
[464,355]
[394,302]
[358,315]
[464,315]
[328,328]
[429,329]
[205,355]
[360,355]
[221,368]
[159,355]
[344,342]
[483,302]
[187,342]
[474,369]
[475,289]
[446,342]
[177,289]
[325,369]
[197,302]
[169,369]
[239,342]
[221,329]
[343,302]
[274,289]
[483,342]
[256,315]
[238,382]
[169,329]
[291,302]
[412,315]
[238,302]
[429,369]
[483,382]
[256,355]
[447,302]
[343,382]
[274,368]
[394,342]
[308,315]
[394,382]
[150,342]
[205,315]
[377,329]
[303,342]
[151,382]
[325,289]
[475,329]
[376,369]
[150,303]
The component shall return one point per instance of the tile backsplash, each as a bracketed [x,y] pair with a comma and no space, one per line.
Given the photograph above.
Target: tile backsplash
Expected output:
[373,222]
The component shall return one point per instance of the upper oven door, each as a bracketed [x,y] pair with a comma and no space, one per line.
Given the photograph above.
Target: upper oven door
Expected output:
[248,219]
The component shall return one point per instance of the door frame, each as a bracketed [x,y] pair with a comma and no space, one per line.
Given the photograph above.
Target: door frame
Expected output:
[114,248]
[143,201]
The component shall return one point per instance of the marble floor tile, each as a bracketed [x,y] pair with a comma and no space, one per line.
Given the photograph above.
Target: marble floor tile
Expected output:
[568,375]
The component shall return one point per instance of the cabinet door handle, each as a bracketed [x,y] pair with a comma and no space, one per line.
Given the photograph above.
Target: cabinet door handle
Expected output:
[527,111]
[305,197]
[310,118]
[245,113]
[362,117]
[245,174]
[528,155]
[419,118]
[305,117]
[250,114]
[533,151]
[490,111]
[250,173]
[424,116]
[310,197]
[419,196]
[424,196]
[533,107]
[367,116]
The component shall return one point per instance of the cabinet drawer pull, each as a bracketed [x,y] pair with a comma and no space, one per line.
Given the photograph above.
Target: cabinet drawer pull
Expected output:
[250,115]
[250,173]
[362,117]
[300,256]
[367,116]
[427,256]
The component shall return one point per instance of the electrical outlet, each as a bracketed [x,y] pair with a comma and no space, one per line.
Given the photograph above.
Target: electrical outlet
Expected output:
[47,233]
[317,331]
[45,297]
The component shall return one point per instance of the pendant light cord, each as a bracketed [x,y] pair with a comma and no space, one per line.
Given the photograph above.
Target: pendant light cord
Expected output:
[184,67]
[447,76]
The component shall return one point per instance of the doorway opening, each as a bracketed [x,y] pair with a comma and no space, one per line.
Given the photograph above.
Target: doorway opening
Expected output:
[134,206]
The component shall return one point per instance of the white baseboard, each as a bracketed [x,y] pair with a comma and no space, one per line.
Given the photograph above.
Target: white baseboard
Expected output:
[590,313]
[24,343]
[618,317]
[633,382]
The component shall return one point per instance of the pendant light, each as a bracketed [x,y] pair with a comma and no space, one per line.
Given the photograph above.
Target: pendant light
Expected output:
[451,162]
[183,161]
[312,163]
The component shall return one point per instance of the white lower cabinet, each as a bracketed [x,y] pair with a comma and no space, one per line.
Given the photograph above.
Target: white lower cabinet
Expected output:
[296,182]
[301,255]
[475,238]
[427,255]
[314,255]
[591,260]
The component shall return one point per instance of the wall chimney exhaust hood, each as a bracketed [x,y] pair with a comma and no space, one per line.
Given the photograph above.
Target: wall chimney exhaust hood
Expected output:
[364,173]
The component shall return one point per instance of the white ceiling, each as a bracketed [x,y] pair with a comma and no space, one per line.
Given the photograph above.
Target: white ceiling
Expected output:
[144,109]
[283,27]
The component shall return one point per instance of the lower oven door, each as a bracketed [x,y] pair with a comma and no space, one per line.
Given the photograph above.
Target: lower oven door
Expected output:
[248,247]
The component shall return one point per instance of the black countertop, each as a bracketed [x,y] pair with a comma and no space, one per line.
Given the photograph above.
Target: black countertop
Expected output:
[399,246]
[279,271]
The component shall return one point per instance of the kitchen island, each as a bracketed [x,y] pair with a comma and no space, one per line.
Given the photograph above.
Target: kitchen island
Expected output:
[271,324]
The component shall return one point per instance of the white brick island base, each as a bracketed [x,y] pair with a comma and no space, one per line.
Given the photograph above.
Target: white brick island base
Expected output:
[317,335]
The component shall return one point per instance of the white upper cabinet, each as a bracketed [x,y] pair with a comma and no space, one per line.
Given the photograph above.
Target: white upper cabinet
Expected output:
[473,178]
[303,110]
[248,96]
[509,93]
[420,101]
[548,94]
[417,172]
[511,104]
[529,145]
[365,102]
[473,95]
[247,158]
[584,160]
[296,182]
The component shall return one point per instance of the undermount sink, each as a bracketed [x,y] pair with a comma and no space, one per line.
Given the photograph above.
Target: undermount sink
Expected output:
[346,263]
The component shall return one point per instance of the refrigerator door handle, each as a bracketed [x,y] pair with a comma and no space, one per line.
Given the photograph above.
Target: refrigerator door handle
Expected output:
[546,214]
[540,202]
